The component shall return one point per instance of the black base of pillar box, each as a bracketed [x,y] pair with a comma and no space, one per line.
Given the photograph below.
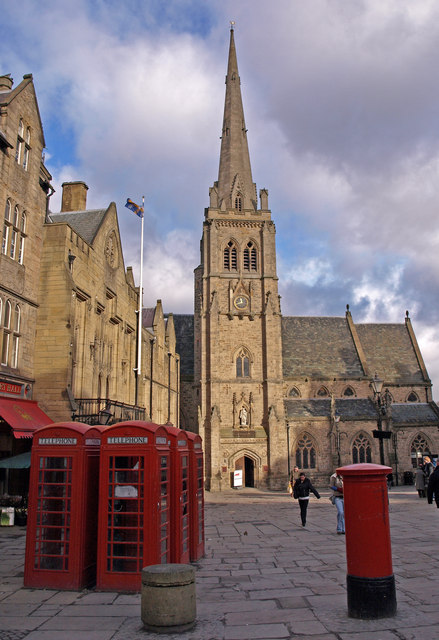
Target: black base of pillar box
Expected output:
[370,598]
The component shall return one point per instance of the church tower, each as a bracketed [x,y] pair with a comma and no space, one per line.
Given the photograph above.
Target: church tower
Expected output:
[237,322]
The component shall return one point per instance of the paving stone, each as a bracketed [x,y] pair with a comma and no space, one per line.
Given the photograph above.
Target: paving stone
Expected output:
[262,631]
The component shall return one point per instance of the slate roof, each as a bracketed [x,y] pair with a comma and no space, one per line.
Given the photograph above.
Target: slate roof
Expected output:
[184,334]
[415,413]
[85,223]
[347,409]
[389,352]
[148,317]
[318,348]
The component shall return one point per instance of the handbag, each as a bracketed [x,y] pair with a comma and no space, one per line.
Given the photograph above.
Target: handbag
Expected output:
[290,488]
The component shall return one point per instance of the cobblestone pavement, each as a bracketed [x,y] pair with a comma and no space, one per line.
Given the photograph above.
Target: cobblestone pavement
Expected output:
[264,576]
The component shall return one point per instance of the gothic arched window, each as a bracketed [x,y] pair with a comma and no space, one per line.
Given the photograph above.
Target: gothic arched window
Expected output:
[294,393]
[250,257]
[412,397]
[361,449]
[242,364]
[323,392]
[238,202]
[305,453]
[348,392]
[230,257]
[419,448]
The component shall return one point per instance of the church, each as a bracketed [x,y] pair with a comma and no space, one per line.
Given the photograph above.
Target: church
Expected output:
[269,392]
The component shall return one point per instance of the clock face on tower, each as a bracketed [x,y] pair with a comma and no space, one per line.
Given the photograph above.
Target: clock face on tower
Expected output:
[241,302]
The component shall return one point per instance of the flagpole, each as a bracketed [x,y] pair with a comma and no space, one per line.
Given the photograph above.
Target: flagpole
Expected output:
[139,328]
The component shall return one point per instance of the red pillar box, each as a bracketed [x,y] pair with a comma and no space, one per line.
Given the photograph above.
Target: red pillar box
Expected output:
[63,506]
[196,496]
[180,506]
[134,511]
[370,579]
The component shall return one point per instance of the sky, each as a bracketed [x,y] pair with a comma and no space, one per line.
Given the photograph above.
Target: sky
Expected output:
[341,102]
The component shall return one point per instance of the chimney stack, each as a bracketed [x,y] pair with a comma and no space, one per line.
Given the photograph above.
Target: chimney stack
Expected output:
[6,82]
[74,196]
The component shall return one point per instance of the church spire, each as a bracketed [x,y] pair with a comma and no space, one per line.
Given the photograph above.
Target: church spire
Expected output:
[236,189]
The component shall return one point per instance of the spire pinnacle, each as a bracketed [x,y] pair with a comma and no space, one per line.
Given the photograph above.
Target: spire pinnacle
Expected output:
[235,185]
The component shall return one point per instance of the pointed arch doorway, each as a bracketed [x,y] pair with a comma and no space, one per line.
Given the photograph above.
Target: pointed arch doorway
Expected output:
[247,466]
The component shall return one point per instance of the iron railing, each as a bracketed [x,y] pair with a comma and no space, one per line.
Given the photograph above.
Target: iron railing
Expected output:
[105,411]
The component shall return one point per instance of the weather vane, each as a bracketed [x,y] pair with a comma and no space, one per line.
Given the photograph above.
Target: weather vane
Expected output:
[232,24]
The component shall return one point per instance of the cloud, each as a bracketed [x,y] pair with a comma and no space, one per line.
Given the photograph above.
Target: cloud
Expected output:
[341,106]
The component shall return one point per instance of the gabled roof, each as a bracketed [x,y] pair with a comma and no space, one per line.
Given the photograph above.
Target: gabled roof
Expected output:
[85,223]
[421,413]
[148,317]
[389,352]
[318,347]
[7,96]
[347,409]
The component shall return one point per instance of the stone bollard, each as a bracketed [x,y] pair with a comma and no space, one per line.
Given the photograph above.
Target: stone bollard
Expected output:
[168,598]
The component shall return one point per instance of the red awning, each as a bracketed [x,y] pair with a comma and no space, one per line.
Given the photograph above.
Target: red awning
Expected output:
[24,416]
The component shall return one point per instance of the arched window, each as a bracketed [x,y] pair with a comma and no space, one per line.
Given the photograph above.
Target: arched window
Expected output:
[26,150]
[419,448]
[230,257]
[305,453]
[412,397]
[349,392]
[6,227]
[361,449]
[242,364]
[14,232]
[20,141]
[250,257]
[7,318]
[322,392]
[294,393]
[16,216]
[238,202]
[8,209]
[16,319]
[6,334]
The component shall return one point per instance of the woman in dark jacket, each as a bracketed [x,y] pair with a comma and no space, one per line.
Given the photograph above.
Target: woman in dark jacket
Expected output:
[301,490]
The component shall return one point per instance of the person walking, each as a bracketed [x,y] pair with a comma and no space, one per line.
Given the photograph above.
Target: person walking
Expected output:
[433,487]
[428,468]
[301,490]
[420,481]
[337,499]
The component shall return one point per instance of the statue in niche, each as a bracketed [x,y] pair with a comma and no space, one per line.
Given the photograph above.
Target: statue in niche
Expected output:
[243,417]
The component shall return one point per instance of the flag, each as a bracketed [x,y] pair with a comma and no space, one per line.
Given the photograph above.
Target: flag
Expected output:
[134,207]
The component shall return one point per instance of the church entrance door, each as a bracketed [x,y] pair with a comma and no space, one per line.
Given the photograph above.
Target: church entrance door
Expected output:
[247,466]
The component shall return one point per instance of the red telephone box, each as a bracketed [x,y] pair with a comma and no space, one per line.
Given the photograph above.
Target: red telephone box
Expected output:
[134,511]
[196,496]
[180,505]
[63,506]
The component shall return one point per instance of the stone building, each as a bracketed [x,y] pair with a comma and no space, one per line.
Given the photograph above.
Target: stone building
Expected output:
[85,350]
[24,190]
[68,305]
[267,391]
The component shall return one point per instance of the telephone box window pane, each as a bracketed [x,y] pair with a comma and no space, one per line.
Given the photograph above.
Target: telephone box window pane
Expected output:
[53,519]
